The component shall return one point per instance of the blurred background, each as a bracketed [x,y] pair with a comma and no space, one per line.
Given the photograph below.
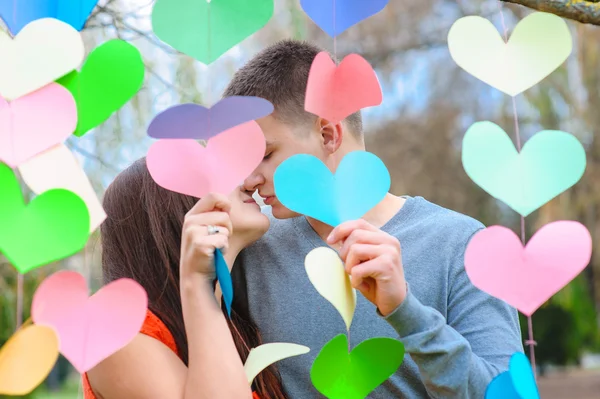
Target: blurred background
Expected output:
[428,105]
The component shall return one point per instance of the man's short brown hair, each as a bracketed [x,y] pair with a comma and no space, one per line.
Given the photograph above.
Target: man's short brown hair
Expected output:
[279,74]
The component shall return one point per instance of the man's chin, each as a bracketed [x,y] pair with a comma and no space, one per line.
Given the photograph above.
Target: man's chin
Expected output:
[281,212]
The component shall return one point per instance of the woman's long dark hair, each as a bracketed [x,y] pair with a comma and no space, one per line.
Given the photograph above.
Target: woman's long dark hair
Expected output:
[141,240]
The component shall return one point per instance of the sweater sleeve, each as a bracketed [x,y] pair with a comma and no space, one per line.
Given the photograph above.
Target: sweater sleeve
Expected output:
[458,357]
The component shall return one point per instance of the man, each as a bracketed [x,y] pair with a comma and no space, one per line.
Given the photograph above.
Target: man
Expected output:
[405,257]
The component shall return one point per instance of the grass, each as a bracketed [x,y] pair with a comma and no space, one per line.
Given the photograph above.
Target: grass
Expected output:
[70,390]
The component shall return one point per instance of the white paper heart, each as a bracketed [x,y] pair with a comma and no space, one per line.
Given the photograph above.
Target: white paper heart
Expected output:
[327,273]
[43,51]
[58,168]
[264,355]
[539,44]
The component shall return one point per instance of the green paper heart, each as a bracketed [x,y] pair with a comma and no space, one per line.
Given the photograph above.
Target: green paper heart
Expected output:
[205,31]
[53,226]
[549,163]
[111,75]
[338,374]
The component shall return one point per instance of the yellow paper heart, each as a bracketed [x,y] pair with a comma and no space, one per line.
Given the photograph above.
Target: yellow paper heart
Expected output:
[43,51]
[539,44]
[326,272]
[26,359]
[264,355]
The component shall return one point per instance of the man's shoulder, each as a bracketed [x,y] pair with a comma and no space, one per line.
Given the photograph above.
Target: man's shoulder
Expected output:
[437,222]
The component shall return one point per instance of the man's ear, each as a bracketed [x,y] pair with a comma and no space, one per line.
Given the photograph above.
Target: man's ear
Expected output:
[331,134]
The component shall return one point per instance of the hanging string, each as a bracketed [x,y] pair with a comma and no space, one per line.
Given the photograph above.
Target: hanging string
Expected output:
[530,341]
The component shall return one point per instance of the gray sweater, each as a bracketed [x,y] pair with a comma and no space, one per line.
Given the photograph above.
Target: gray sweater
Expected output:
[457,338]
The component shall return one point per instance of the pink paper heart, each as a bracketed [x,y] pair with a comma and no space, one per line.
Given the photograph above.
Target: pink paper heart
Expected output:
[186,167]
[335,93]
[89,329]
[526,278]
[36,122]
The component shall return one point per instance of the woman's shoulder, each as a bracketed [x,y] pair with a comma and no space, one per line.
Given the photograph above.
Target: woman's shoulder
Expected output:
[155,328]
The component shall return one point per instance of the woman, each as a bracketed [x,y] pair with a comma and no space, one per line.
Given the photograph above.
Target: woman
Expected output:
[187,347]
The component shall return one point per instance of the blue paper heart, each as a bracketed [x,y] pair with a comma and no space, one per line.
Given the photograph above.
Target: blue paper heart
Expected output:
[347,13]
[516,383]
[17,14]
[303,184]
[225,281]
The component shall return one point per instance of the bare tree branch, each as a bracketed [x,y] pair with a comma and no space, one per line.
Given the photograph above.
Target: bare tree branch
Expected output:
[586,12]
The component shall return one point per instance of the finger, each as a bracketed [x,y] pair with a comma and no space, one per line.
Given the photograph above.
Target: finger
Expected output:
[207,245]
[211,202]
[220,219]
[343,230]
[364,271]
[360,236]
[360,253]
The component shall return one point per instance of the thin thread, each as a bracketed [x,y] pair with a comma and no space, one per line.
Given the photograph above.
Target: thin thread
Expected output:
[530,341]
[19,300]
[334,35]
[208,66]
[14,14]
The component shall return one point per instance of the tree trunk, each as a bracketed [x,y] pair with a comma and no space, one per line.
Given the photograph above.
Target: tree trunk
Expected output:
[586,12]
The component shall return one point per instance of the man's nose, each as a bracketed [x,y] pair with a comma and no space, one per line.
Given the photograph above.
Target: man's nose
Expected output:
[253,181]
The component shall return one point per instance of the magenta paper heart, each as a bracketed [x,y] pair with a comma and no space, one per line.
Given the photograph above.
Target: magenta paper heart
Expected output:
[193,121]
[89,329]
[335,93]
[186,167]
[526,278]
[36,122]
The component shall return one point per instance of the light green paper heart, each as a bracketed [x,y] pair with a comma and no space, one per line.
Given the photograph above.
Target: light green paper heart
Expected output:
[549,163]
[206,31]
[539,44]
[338,374]
[53,226]
[111,75]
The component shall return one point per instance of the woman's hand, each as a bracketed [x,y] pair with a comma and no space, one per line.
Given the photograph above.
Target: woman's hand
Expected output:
[373,259]
[197,246]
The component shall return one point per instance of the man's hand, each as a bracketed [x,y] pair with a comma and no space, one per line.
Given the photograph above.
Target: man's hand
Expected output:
[373,259]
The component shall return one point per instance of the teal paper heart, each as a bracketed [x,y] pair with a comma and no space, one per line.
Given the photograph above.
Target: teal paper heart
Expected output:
[205,31]
[516,383]
[338,374]
[303,184]
[549,163]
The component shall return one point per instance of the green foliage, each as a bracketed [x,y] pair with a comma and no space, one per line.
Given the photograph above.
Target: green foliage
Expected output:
[565,326]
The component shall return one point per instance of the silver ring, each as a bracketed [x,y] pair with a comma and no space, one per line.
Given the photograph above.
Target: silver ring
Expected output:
[212,230]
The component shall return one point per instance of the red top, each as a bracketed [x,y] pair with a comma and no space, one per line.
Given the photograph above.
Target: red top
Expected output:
[156,329]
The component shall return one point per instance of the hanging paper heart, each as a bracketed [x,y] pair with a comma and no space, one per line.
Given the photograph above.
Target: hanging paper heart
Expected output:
[17,14]
[334,17]
[338,374]
[206,30]
[90,329]
[496,262]
[303,184]
[112,74]
[186,167]
[58,168]
[516,383]
[26,359]
[326,272]
[53,226]
[263,356]
[193,121]
[335,93]
[549,163]
[35,122]
[42,52]
[539,44]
